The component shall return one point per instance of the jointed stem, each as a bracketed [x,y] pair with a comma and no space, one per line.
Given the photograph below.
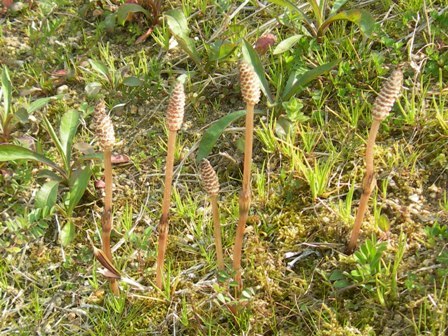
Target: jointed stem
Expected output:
[217,231]
[107,215]
[367,185]
[244,202]
[163,225]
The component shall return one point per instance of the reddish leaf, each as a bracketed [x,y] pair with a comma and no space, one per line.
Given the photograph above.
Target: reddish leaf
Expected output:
[7,3]
[100,184]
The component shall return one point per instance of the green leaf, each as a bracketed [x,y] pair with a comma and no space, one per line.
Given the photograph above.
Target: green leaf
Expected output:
[48,174]
[177,23]
[67,130]
[22,115]
[47,195]
[293,8]
[221,49]
[337,5]
[67,233]
[251,56]
[296,83]
[38,104]
[360,17]
[57,143]
[287,44]
[100,67]
[78,185]
[6,91]
[133,81]
[13,153]
[127,8]
[212,134]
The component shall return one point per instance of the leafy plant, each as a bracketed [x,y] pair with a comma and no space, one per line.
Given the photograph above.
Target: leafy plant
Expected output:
[322,20]
[71,177]
[10,114]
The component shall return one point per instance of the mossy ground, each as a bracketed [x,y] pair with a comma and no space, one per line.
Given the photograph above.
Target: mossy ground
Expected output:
[47,289]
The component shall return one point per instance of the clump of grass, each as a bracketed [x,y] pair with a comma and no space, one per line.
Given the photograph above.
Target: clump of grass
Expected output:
[175,115]
[211,186]
[381,109]
[106,135]
[250,90]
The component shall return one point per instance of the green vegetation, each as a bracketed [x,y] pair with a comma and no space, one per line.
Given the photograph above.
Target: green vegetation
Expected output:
[320,66]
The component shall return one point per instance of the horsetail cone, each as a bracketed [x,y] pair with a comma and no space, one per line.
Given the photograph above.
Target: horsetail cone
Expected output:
[176,107]
[250,88]
[209,178]
[104,127]
[387,96]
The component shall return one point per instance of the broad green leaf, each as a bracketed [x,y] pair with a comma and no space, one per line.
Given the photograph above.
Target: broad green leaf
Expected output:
[67,233]
[78,184]
[133,81]
[6,91]
[57,143]
[337,5]
[13,153]
[100,67]
[212,134]
[48,174]
[220,49]
[177,23]
[47,195]
[287,44]
[297,83]
[67,131]
[38,104]
[360,17]
[251,56]
[22,115]
[127,8]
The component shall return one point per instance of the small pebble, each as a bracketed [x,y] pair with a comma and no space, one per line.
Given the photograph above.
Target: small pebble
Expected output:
[62,89]
[414,198]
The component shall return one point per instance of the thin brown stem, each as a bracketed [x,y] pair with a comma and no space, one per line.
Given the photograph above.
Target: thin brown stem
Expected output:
[367,185]
[244,201]
[217,231]
[163,225]
[107,214]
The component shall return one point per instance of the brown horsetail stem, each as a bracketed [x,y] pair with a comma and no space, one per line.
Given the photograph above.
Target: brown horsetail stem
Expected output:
[250,90]
[175,115]
[381,108]
[211,186]
[106,136]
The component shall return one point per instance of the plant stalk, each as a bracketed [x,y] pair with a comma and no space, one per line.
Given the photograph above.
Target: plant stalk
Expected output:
[163,224]
[244,201]
[217,231]
[107,214]
[368,184]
